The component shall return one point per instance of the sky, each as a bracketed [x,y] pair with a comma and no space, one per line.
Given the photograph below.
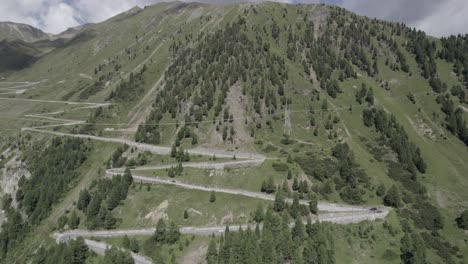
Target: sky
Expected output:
[435,17]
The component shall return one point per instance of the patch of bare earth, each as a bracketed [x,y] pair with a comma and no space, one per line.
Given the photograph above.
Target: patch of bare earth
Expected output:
[236,102]
[158,213]
[319,17]
[422,128]
[441,199]
[195,255]
[227,218]
[193,211]
[12,172]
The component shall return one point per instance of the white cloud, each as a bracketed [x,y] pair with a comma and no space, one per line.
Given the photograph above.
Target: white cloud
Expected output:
[450,18]
[59,17]
[99,10]
[49,15]
[436,17]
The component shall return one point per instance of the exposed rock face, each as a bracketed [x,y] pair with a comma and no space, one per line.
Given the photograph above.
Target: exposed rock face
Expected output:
[12,172]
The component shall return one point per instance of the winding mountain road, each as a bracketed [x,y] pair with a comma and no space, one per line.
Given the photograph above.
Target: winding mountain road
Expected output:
[101,247]
[337,218]
[329,212]
[322,206]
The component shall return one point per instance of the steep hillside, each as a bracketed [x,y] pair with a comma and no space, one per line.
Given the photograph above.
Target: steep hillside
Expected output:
[16,55]
[193,117]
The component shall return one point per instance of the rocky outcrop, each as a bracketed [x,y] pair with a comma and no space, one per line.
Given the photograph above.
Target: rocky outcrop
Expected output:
[14,169]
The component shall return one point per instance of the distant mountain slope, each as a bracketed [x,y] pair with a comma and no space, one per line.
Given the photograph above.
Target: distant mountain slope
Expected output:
[17,31]
[16,55]
[21,44]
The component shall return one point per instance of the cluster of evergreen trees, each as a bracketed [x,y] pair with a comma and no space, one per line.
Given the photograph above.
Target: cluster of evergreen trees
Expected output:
[179,154]
[128,91]
[117,160]
[395,136]
[276,242]
[268,186]
[421,220]
[53,171]
[424,51]
[353,180]
[454,118]
[165,234]
[340,172]
[77,252]
[455,50]
[365,93]
[103,196]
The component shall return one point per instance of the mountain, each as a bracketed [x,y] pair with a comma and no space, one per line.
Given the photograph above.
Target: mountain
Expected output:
[21,45]
[17,31]
[199,119]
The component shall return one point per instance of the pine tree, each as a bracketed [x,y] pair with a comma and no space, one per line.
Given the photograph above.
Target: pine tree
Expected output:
[93,208]
[74,220]
[126,242]
[258,214]
[212,252]
[83,200]
[370,96]
[279,204]
[462,220]
[194,139]
[313,204]
[109,221]
[380,190]
[284,186]
[127,176]
[309,253]
[393,197]
[212,197]
[267,247]
[173,151]
[114,199]
[295,185]
[297,257]
[134,245]
[294,210]
[298,231]
[160,233]
[78,251]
